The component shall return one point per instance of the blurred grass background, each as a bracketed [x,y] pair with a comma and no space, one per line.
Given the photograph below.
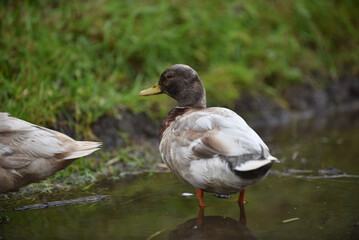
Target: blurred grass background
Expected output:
[86,58]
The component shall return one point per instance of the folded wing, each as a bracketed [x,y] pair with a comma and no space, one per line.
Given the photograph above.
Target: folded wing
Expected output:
[221,132]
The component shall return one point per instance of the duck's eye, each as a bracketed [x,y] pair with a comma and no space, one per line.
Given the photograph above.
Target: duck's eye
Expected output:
[169,76]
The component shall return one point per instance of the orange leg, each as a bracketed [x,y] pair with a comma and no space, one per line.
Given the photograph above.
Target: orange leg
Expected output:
[200,217]
[241,197]
[242,217]
[200,197]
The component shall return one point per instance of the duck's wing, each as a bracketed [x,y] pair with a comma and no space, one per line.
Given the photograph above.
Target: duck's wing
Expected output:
[221,132]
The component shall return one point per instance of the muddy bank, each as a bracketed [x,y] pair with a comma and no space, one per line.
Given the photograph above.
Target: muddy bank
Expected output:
[303,102]
[126,128]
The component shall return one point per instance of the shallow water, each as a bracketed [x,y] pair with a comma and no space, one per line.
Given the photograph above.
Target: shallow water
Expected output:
[323,204]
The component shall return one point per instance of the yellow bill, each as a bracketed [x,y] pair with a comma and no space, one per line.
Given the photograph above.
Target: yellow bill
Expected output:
[155,89]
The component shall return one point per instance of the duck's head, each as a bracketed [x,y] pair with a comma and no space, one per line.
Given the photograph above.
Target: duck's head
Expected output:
[183,84]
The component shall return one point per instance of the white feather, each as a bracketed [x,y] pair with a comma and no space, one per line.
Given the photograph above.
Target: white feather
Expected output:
[252,165]
[203,124]
[84,148]
[214,175]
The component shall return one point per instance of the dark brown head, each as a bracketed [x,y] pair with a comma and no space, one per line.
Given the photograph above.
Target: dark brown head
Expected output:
[183,84]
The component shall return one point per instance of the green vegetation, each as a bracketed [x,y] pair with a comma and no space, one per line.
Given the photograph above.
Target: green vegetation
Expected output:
[82,59]
[86,58]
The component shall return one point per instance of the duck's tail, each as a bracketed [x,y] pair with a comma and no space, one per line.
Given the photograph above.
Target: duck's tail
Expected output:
[255,164]
[256,172]
[254,168]
[84,148]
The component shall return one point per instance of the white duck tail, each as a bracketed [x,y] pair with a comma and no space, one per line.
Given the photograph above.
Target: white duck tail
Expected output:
[255,164]
[83,149]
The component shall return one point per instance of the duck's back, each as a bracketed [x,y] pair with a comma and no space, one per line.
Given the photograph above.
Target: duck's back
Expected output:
[29,153]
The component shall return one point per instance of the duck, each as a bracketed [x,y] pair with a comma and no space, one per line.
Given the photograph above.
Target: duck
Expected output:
[213,149]
[30,153]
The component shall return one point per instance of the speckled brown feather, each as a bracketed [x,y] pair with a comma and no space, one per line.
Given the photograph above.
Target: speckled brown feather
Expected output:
[171,116]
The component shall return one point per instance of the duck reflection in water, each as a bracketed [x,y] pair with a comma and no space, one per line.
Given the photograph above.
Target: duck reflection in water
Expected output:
[213,227]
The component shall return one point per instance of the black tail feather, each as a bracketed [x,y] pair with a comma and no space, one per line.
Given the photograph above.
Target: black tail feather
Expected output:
[256,173]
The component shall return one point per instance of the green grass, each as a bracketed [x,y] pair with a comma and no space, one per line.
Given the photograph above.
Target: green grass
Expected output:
[86,58]
[82,59]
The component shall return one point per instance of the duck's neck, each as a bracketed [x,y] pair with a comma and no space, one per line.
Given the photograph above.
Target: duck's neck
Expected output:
[194,99]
